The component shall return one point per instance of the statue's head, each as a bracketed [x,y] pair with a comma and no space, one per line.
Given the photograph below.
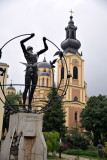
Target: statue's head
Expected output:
[29,49]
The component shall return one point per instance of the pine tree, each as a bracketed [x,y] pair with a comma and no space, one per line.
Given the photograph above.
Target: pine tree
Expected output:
[54,119]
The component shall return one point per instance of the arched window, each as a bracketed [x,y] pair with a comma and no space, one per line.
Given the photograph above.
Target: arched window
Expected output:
[75,116]
[42,81]
[75,72]
[75,98]
[62,73]
[47,82]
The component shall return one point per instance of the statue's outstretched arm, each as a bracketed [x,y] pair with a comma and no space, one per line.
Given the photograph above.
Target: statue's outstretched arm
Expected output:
[45,47]
[24,40]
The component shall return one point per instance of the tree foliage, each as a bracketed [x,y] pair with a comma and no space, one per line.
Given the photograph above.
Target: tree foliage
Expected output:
[13,99]
[54,119]
[77,140]
[52,141]
[94,117]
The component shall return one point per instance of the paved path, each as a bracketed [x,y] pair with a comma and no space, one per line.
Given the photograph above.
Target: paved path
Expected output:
[70,157]
[67,157]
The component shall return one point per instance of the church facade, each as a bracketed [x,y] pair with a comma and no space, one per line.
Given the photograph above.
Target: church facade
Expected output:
[76,96]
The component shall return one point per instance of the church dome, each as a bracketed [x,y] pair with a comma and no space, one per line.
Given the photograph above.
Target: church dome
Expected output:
[11,88]
[44,64]
[71,43]
[44,73]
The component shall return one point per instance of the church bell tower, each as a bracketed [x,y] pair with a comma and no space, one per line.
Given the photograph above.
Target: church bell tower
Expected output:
[76,97]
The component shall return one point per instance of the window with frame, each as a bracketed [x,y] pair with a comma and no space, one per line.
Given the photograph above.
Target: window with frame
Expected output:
[47,82]
[42,81]
[75,116]
[75,72]
[62,73]
[75,98]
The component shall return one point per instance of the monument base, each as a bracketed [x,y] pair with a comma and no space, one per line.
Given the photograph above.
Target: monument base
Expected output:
[24,140]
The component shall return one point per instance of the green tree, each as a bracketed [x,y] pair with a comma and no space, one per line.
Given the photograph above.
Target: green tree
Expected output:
[94,117]
[52,141]
[55,117]
[13,99]
[75,139]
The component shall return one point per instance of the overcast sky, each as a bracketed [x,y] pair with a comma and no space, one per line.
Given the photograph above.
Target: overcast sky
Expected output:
[49,18]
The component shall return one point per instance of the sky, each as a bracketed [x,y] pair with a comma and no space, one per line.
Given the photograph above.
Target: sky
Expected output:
[48,18]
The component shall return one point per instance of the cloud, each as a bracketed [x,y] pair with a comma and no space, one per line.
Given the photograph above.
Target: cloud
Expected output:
[49,18]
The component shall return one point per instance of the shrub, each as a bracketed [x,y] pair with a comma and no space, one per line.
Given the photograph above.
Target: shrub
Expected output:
[105,150]
[92,148]
[82,152]
[77,140]
[52,141]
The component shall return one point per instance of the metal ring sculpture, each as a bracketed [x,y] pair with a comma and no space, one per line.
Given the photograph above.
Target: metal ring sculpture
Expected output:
[12,107]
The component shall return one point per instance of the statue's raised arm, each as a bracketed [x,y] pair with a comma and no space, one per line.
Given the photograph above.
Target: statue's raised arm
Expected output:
[45,47]
[23,41]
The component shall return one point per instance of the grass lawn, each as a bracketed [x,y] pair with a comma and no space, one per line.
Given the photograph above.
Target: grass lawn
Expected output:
[92,154]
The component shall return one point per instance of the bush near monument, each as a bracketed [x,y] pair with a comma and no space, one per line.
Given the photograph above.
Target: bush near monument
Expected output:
[52,141]
[76,140]
[13,99]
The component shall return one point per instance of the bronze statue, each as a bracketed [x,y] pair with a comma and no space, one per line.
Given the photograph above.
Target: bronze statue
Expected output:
[31,75]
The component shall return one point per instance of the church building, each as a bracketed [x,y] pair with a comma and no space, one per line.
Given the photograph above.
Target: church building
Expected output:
[76,95]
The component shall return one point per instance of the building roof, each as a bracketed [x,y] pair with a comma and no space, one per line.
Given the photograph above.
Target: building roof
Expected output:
[4,64]
[44,73]
[11,87]
[71,44]
[44,64]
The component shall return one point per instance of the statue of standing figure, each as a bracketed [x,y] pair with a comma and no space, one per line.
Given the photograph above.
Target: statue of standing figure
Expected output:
[31,75]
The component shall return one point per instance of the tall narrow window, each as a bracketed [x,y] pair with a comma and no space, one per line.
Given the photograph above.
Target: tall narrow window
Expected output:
[75,72]
[42,81]
[47,82]
[39,82]
[67,34]
[73,34]
[75,116]
[62,73]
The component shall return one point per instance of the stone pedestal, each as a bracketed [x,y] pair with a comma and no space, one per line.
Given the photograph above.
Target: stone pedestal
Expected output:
[24,140]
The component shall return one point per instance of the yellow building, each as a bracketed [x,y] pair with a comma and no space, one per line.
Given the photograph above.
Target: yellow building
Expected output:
[76,96]
[45,81]
[4,67]
[10,90]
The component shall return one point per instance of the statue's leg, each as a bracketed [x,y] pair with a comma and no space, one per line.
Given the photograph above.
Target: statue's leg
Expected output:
[27,86]
[34,83]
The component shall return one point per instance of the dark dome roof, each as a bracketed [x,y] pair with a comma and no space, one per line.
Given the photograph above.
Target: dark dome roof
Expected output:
[44,74]
[72,43]
[44,64]
[12,88]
